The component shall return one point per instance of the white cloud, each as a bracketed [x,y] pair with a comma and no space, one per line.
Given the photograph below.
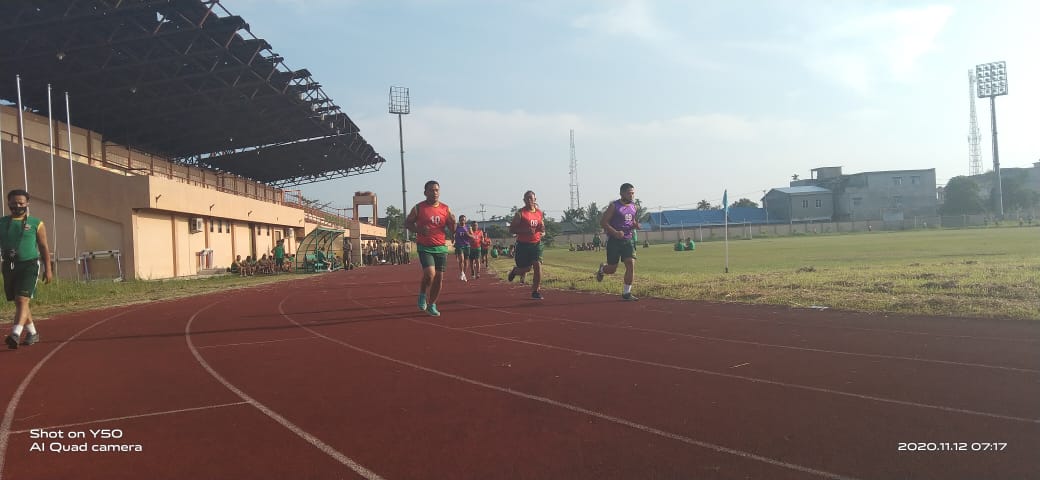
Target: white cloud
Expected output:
[862,52]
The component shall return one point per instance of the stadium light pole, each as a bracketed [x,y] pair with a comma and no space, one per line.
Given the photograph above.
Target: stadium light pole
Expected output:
[992,83]
[400,104]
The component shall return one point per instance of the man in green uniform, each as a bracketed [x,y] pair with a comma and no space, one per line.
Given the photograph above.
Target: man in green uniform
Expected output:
[23,240]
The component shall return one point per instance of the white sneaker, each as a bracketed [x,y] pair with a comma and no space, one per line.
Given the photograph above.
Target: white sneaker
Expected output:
[462,276]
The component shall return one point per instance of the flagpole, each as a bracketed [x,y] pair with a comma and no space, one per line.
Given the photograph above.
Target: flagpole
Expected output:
[21,132]
[54,202]
[725,219]
[72,180]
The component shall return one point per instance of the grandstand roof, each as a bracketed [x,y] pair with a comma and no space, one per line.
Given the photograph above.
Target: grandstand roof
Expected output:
[180,78]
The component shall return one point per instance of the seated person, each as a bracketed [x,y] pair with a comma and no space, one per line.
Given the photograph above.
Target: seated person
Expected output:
[571,248]
[236,266]
[689,244]
[646,243]
[678,245]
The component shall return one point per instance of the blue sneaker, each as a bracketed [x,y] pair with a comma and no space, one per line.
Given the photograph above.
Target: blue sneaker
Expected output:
[422,301]
[31,338]
[536,295]
[432,310]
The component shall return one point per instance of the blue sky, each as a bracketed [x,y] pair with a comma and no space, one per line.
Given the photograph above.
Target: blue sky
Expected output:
[681,98]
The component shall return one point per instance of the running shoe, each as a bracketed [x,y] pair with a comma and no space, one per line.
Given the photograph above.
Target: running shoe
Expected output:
[599,273]
[422,301]
[512,274]
[432,310]
[31,338]
[536,295]
[12,341]
[628,297]
[462,276]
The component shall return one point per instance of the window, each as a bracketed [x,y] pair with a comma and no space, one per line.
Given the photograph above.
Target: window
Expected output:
[915,180]
[897,200]
[268,230]
[220,226]
[211,222]
[897,181]
[805,204]
[819,203]
[857,201]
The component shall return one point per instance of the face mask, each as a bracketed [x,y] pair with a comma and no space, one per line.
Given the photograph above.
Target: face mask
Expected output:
[18,211]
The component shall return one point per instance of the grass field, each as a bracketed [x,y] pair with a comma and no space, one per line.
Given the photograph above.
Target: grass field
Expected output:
[991,272]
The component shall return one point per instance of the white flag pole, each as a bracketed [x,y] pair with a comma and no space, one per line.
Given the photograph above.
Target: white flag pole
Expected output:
[72,178]
[725,229]
[54,203]
[21,131]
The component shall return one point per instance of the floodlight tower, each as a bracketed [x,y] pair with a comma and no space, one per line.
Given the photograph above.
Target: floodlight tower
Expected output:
[575,196]
[974,138]
[400,104]
[992,78]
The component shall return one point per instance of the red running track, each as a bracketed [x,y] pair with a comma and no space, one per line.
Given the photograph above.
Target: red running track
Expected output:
[341,376]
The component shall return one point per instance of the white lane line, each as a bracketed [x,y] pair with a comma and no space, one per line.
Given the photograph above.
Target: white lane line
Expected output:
[861,329]
[786,347]
[567,406]
[133,417]
[327,449]
[256,343]
[741,377]
[12,405]
[741,365]
[529,320]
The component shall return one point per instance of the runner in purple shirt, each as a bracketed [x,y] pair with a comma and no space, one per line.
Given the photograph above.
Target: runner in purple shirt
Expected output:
[619,220]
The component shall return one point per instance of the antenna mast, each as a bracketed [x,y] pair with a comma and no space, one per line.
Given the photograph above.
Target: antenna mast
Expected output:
[974,152]
[575,196]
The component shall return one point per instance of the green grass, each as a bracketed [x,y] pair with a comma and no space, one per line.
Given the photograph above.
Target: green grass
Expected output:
[993,272]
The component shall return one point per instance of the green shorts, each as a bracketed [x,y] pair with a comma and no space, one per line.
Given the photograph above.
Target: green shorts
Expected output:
[433,257]
[619,249]
[464,251]
[474,253]
[21,280]
[527,254]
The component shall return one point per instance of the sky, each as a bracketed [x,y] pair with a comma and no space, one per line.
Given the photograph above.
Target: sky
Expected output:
[683,99]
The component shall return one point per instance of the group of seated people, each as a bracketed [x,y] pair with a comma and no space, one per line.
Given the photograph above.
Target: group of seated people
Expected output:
[681,247]
[264,265]
[497,250]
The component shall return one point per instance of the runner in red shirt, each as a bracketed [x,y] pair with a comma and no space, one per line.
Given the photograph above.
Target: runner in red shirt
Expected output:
[476,240]
[528,224]
[429,219]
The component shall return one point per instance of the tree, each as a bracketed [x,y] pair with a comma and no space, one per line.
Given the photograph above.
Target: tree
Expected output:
[962,197]
[592,214]
[744,202]
[552,229]
[1017,196]
[576,216]
[641,214]
[703,205]
[497,231]
[394,223]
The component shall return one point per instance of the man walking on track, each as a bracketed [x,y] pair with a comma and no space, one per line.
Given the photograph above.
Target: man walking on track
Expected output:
[618,222]
[528,224]
[24,242]
[462,241]
[428,219]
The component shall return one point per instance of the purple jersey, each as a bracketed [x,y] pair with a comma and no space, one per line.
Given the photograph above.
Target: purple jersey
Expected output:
[461,239]
[624,218]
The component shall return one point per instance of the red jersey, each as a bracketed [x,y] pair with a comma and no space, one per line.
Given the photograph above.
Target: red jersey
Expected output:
[477,239]
[434,218]
[486,243]
[536,220]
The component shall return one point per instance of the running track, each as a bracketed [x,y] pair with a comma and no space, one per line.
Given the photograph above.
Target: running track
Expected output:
[339,376]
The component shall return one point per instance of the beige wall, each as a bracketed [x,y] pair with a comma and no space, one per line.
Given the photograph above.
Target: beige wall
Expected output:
[145,217]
